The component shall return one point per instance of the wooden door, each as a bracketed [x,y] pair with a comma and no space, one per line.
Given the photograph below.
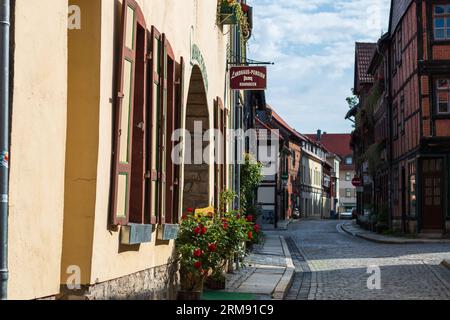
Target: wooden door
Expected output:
[433,194]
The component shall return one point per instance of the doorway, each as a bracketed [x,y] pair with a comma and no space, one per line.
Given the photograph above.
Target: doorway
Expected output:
[433,194]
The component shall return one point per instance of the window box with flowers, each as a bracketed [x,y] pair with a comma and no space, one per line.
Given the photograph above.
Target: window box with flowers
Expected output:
[231,12]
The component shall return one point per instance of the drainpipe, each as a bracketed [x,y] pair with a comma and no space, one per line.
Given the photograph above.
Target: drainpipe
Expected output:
[237,118]
[4,143]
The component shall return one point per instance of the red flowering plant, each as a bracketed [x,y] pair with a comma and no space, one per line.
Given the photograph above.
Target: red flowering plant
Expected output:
[199,247]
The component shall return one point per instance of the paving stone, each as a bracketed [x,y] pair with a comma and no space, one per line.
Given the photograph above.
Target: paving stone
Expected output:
[334,266]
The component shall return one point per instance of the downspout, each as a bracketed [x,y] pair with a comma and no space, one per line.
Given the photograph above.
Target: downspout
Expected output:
[4,143]
[238,119]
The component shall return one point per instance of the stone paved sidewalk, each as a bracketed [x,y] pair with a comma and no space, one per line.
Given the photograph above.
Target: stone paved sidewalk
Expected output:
[355,230]
[281,225]
[268,270]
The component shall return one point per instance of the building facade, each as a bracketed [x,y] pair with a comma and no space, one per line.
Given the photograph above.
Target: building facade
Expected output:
[280,193]
[96,195]
[411,65]
[338,146]
[312,178]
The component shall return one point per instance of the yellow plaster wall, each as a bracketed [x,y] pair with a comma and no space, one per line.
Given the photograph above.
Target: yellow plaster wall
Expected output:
[175,18]
[82,140]
[37,148]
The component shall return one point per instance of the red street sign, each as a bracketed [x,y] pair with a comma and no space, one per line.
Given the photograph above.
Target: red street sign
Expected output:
[248,78]
[357,182]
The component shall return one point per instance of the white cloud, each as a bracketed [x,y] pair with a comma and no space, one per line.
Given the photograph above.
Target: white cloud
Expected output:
[312,44]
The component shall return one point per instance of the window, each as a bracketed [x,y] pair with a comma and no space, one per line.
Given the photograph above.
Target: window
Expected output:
[394,57]
[443,96]
[349,161]
[129,140]
[402,115]
[144,181]
[395,185]
[348,176]
[399,47]
[441,22]
[395,120]
[348,193]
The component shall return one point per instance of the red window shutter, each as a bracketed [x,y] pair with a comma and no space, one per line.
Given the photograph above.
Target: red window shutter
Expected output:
[178,116]
[153,155]
[170,168]
[216,155]
[123,127]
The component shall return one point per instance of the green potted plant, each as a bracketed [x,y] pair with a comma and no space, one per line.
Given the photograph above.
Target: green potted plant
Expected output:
[199,250]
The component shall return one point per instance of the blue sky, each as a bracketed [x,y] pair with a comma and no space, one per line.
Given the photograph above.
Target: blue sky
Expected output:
[312,44]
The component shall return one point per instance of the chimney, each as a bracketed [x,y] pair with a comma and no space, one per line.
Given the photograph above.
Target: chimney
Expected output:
[319,134]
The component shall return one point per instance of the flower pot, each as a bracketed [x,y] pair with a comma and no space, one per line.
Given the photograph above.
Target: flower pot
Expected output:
[191,285]
[215,284]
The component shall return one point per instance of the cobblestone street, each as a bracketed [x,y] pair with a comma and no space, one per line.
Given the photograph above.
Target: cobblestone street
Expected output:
[332,265]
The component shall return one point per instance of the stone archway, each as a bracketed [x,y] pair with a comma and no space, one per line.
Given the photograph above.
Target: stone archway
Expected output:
[196,176]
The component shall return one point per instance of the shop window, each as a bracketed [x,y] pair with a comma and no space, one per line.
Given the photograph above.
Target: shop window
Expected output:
[441,22]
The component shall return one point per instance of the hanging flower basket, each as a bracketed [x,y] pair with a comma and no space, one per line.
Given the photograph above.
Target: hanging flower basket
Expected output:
[227,13]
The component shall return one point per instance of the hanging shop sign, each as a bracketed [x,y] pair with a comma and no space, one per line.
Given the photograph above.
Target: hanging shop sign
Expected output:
[248,78]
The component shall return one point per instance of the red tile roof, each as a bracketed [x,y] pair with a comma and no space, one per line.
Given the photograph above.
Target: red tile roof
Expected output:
[338,143]
[364,55]
[262,125]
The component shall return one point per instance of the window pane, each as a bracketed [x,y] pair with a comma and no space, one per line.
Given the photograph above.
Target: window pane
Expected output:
[439,10]
[121,211]
[126,110]
[129,37]
[442,107]
[447,9]
[439,23]
[439,34]
[443,97]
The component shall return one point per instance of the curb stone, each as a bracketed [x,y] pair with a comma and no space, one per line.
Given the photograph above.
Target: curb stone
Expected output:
[378,238]
[282,288]
[446,263]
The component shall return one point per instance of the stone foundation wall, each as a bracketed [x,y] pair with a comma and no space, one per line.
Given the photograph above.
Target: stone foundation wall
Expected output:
[159,283]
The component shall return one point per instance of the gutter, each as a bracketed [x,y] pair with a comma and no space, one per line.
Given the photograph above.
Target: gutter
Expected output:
[4,143]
